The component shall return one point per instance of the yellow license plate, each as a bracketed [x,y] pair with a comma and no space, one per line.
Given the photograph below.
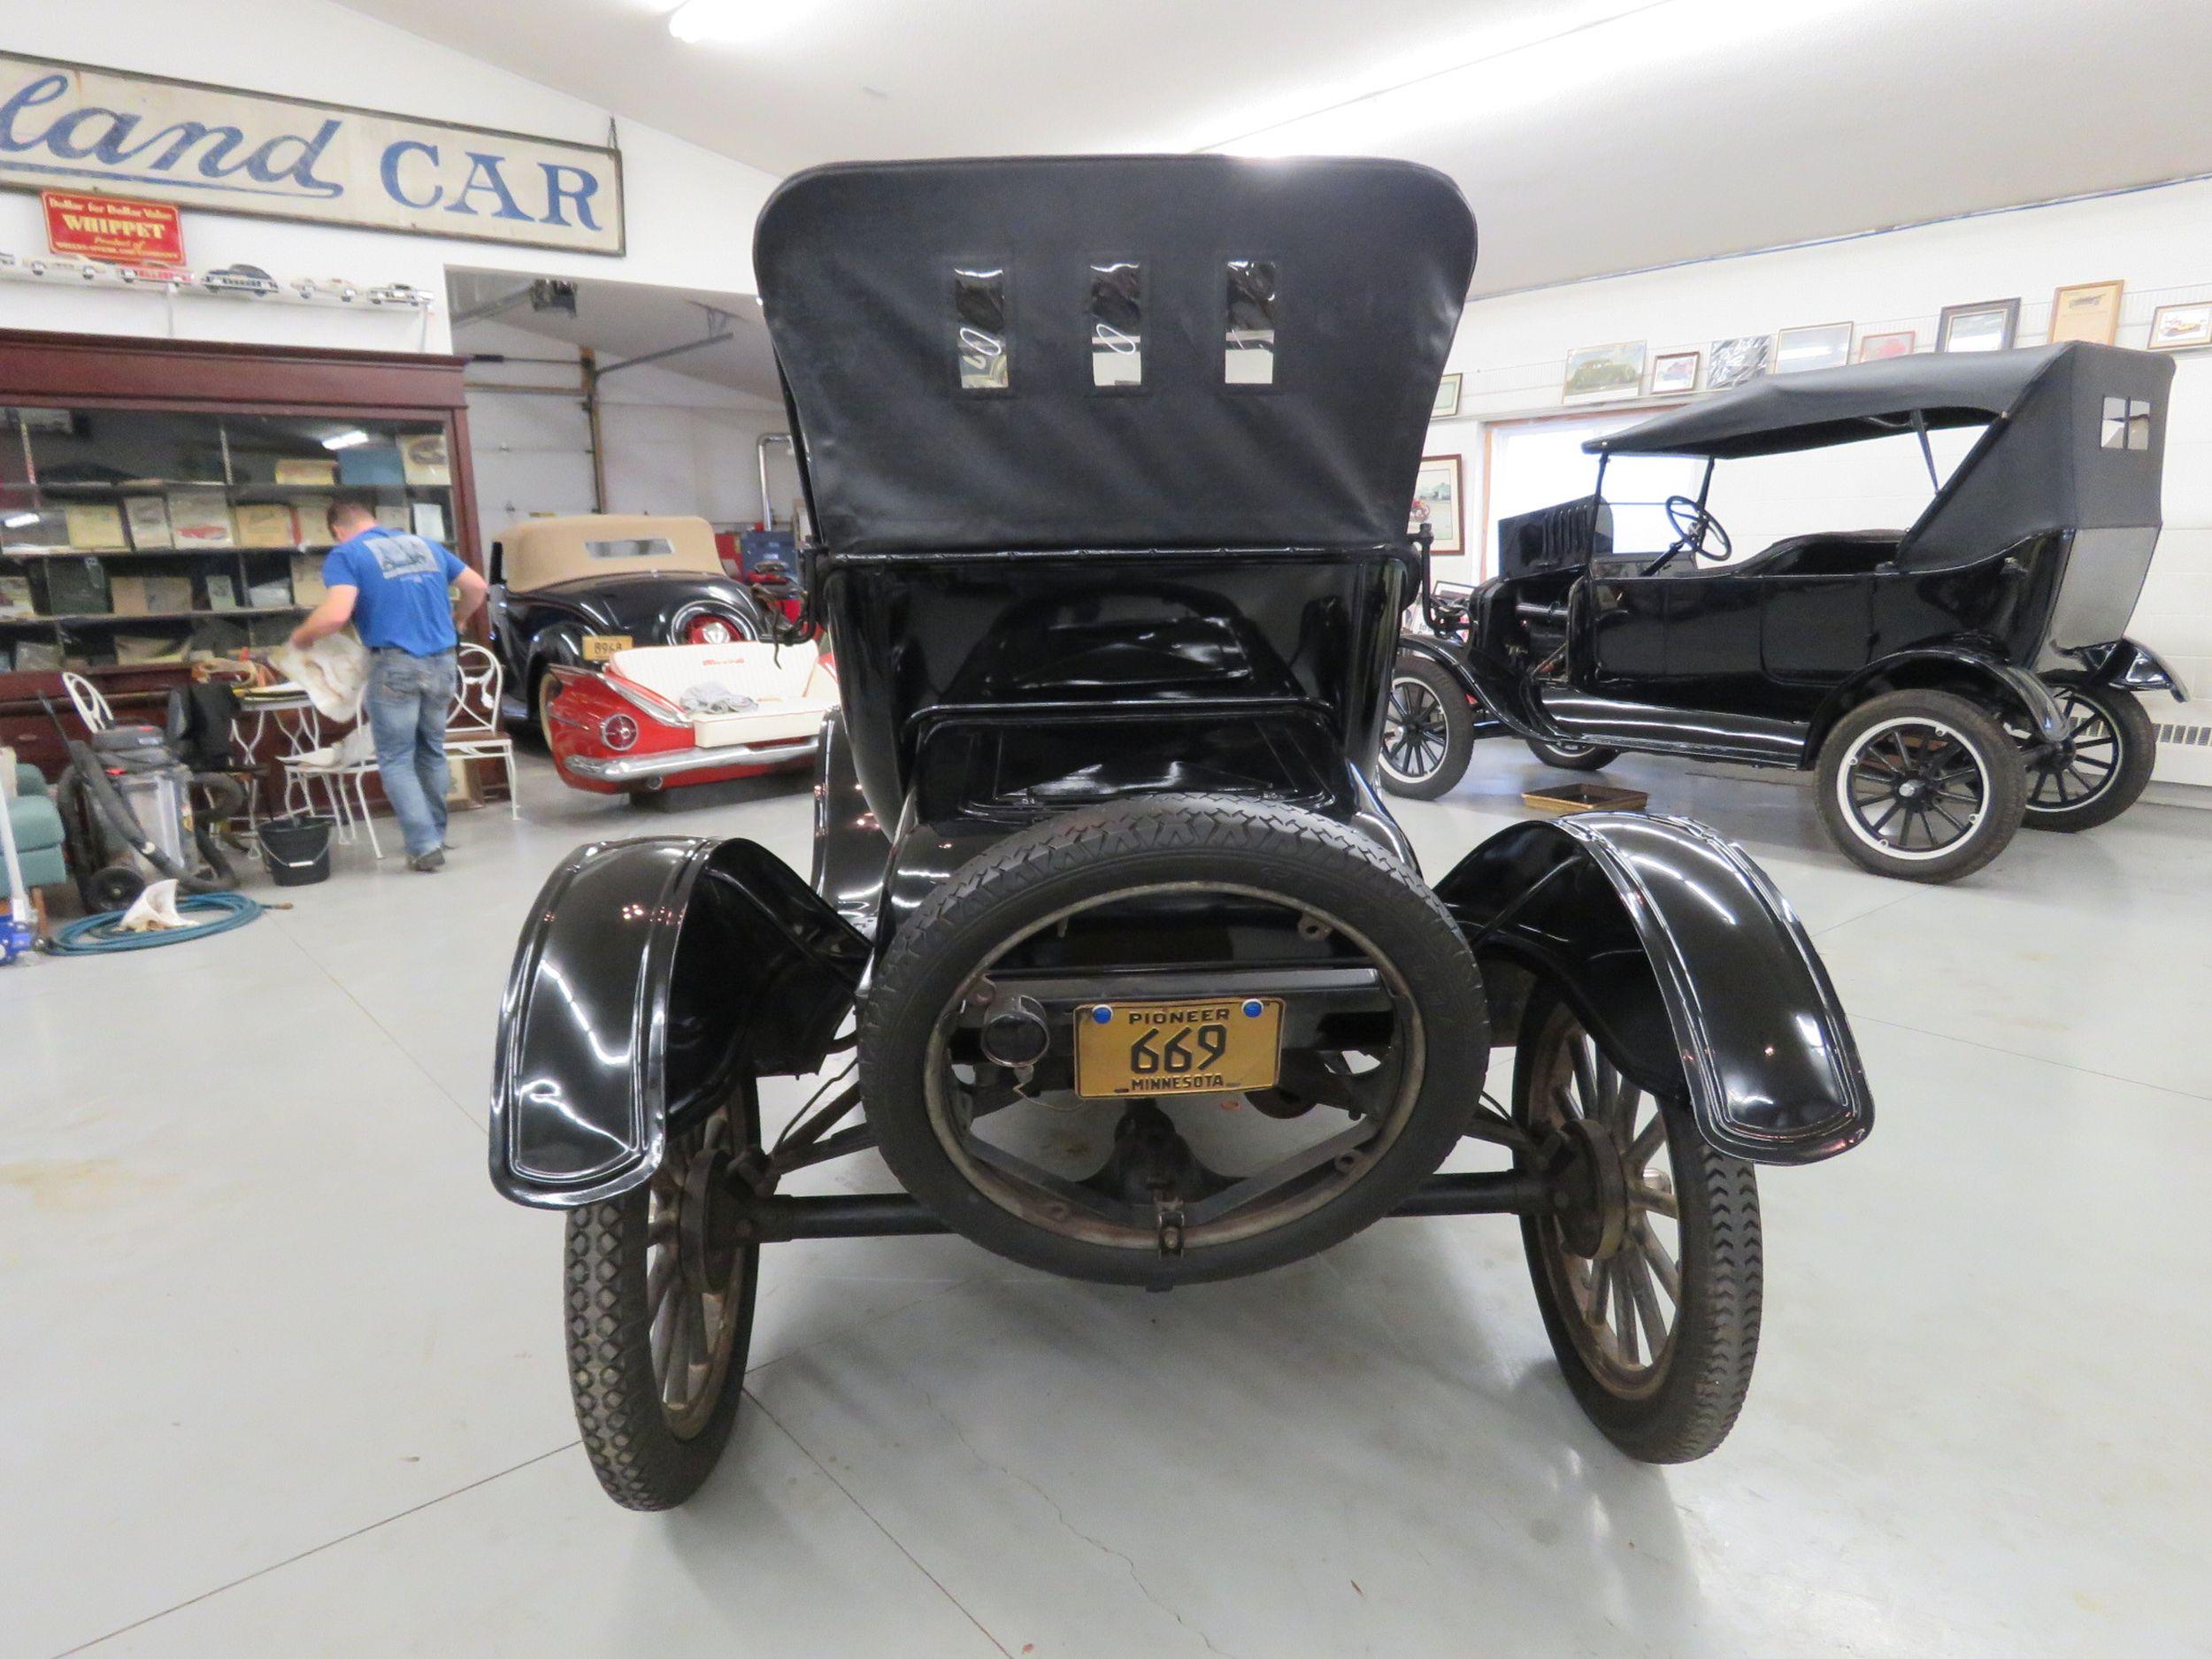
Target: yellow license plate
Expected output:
[599,647]
[1222,1046]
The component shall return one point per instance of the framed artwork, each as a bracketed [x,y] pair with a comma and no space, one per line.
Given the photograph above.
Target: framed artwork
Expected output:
[1987,326]
[1595,373]
[1900,343]
[1821,346]
[2178,327]
[1674,372]
[1447,403]
[2087,310]
[1744,357]
[1437,503]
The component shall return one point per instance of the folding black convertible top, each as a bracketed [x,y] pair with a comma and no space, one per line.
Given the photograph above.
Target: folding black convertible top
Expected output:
[2077,438]
[1779,413]
[937,325]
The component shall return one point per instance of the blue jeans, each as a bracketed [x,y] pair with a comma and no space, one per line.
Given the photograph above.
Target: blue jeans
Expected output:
[408,700]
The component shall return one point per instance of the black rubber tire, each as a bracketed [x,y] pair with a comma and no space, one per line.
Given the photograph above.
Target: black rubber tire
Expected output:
[640,1460]
[1082,855]
[1707,1371]
[1572,756]
[2131,722]
[1997,757]
[1458,734]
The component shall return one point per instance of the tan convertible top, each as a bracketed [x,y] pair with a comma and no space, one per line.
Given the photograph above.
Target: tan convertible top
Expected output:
[538,552]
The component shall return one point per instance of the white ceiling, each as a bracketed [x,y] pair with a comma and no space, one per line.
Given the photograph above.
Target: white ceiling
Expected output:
[1590,135]
[621,320]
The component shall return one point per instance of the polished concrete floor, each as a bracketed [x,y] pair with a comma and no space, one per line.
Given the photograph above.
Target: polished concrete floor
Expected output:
[280,1376]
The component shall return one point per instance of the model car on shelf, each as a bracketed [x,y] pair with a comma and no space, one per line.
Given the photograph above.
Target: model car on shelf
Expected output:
[1108,947]
[657,717]
[1948,681]
[572,592]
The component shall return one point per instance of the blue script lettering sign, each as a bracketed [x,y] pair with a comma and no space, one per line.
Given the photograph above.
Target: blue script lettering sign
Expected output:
[230,151]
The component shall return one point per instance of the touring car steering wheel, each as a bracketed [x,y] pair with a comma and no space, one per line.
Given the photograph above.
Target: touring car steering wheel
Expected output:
[1694,529]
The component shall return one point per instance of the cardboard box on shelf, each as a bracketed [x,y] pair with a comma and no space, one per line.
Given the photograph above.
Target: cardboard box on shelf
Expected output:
[95,524]
[200,518]
[302,471]
[307,580]
[266,524]
[147,516]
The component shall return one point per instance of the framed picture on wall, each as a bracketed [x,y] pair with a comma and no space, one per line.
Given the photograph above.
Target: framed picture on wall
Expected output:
[1987,325]
[1595,373]
[1438,503]
[2179,327]
[1819,346]
[1744,358]
[2087,310]
[1447,403]
[1899,343]
[1673,372]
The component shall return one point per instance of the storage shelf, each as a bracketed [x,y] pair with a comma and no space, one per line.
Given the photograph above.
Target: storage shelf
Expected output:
[155,552]
[155,486]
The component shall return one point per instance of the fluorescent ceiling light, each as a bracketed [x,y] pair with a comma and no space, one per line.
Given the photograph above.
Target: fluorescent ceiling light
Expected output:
[728,22]
[345,439]
[1605,48]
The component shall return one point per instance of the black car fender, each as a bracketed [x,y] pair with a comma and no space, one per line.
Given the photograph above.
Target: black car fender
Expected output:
[2131,667]
[2014,690]
[651,977]
[1675,949]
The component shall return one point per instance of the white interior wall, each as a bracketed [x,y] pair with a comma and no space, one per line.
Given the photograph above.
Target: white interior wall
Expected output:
[674,444]
[690,213]
[1512,352]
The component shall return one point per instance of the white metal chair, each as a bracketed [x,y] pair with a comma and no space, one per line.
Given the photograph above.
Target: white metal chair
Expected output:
[91,705]
[473,730]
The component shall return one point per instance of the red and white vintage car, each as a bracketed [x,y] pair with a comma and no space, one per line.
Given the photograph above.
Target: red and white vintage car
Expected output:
[661,716]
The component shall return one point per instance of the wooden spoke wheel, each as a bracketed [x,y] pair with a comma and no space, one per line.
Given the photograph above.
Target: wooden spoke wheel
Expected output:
[1648,1267]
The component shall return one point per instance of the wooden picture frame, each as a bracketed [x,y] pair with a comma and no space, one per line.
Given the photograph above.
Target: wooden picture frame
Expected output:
[1984,325]
[1446,404]
[2182,327]
[1815,346]
[1601,374]
[1439,501]
[1669,376]
[1895,342]
[2087,310]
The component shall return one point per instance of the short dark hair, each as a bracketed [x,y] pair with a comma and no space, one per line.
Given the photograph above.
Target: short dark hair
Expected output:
[348,504]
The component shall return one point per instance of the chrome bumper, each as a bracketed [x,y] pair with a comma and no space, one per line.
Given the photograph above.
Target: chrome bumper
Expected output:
[650,768]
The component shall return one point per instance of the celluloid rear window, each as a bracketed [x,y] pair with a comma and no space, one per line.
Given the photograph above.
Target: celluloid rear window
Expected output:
[642,547]
[978,295]
[1117,321]
[1248,357]
[2127,423]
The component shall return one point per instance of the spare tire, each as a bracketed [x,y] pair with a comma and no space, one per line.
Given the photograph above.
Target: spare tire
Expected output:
[1109,893]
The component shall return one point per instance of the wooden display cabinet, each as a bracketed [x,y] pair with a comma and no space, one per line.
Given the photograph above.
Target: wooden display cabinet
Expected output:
[161,498]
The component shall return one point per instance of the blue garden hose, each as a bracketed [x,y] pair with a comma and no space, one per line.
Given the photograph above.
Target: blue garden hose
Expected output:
[93,936]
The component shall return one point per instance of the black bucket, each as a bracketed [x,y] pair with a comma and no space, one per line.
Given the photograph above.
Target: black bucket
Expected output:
[296,850]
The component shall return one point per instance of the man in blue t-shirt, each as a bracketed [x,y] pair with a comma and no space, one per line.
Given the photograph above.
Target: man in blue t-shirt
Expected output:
[393,587]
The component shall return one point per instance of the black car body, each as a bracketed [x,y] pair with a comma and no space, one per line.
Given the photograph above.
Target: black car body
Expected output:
[2012,592]
[571,591]
[1107,459]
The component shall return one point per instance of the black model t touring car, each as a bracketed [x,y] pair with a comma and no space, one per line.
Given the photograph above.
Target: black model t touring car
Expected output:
[1108,460]
[1947,680]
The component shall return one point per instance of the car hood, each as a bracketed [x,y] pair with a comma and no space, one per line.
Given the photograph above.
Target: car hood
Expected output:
[645,603]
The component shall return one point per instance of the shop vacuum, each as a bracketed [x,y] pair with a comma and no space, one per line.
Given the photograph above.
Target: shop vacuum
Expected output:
[127,804]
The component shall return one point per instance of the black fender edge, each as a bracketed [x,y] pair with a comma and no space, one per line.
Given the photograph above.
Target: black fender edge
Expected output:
[652,977]
[1677,952]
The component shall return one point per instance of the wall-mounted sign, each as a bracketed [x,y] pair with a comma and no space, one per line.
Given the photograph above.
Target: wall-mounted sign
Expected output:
[68,127]
[112,229]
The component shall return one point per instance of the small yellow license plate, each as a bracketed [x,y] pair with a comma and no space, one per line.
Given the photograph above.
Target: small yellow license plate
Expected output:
[599,647]
[1222,1046]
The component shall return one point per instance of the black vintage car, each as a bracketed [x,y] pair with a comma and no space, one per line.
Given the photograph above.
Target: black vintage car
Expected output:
[1948,679]
[574,591]
[1110,946]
